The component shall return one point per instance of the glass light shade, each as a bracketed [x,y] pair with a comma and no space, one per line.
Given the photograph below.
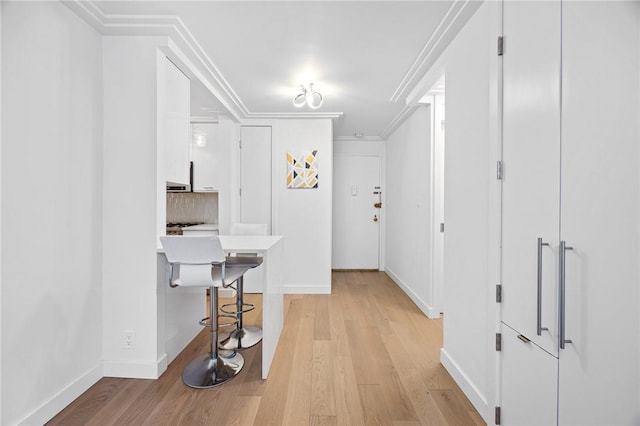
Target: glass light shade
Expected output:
[300,99]
[314,100]
[200,139]
[309,97]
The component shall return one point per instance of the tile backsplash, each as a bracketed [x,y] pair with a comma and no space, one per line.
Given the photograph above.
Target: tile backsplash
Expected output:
[192,207]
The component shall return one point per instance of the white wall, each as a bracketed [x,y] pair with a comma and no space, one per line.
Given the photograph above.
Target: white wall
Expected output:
[51,209]
[469,322]
[0,211]
[408,212]
[303,216]
[133,193]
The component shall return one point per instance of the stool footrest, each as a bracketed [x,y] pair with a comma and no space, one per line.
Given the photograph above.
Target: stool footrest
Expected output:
[225,308]
[206,322]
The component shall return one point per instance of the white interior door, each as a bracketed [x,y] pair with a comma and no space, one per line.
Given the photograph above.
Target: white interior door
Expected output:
[255,175]
[531,155]
[599,375]
[356,221]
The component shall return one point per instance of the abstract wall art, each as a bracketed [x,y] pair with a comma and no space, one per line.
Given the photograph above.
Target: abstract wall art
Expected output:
[302,171]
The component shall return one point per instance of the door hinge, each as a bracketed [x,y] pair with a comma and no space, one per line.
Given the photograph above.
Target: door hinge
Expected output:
[497,417]
[500,45]
[240,192]
[499,170]
[240,144]
[441,227]
[498,342]
[498,293]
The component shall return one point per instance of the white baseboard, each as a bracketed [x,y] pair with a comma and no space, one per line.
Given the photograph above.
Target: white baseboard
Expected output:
[49,409]
[135,369]
[470,390]
[306,289]
[429,311]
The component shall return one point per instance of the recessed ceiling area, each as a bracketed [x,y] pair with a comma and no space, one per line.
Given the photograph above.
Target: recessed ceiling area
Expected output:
[364,57]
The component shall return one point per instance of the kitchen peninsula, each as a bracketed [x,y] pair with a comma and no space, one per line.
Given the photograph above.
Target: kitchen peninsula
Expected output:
[180,309]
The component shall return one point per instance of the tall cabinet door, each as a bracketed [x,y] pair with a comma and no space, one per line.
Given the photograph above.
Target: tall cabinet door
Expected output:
[529,382]
[531,155]
[598,374]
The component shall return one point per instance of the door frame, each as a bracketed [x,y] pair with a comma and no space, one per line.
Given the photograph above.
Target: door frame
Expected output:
[436,289]
[381,216]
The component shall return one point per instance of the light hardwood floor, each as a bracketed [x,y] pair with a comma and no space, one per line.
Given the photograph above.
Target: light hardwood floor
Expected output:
[364,355]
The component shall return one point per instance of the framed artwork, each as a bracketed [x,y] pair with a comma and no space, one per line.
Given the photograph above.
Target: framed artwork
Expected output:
[302,171]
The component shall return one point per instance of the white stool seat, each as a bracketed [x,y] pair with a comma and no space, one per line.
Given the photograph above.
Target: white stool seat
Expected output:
[207,275]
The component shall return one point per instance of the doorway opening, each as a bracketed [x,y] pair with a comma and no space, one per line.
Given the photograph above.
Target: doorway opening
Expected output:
[435,98]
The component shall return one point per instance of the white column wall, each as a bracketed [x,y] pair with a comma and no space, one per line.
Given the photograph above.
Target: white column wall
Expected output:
[51,209]
[408,209]
[130,199]
[0,211]
[303,216]
[469,231]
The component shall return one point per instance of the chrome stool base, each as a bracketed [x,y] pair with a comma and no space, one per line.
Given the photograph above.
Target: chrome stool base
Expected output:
[241,338]
[205,372]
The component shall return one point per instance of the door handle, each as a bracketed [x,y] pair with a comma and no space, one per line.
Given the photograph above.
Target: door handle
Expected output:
[562,300]
[539,326]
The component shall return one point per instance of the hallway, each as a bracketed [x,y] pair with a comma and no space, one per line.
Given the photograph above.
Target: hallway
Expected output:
[363,355]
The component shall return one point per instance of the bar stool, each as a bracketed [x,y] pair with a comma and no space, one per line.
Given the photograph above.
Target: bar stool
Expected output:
[200,262]
[243,337]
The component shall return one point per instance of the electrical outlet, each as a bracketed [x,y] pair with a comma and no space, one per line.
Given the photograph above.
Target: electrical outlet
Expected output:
[129,340]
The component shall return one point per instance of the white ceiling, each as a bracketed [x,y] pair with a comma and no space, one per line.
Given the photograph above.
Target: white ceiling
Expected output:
[365,57]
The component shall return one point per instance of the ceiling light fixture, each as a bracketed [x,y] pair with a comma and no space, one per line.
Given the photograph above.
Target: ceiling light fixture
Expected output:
[200,139]
[309,97]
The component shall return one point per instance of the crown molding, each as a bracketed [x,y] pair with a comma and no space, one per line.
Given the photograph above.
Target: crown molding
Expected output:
[404,113]
[258,115]
[354,138]
[456,16]
[183,44]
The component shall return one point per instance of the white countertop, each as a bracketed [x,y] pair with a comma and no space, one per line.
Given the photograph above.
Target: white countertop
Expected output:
[242,243]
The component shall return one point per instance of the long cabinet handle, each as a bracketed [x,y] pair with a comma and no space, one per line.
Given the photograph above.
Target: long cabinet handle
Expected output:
[539,326]
[562,299]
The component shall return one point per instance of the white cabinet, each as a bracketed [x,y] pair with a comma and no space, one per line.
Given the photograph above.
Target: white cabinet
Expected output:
[570,152]
[174,111]
[200,230]
[530,382]
[531,154]
[599,372]
[207,156]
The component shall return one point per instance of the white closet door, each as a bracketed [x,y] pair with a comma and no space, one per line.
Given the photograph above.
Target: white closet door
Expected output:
[599,377]
[531,155]
[255,175]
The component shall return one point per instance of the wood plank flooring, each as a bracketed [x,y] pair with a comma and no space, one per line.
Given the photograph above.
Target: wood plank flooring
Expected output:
[363,355]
